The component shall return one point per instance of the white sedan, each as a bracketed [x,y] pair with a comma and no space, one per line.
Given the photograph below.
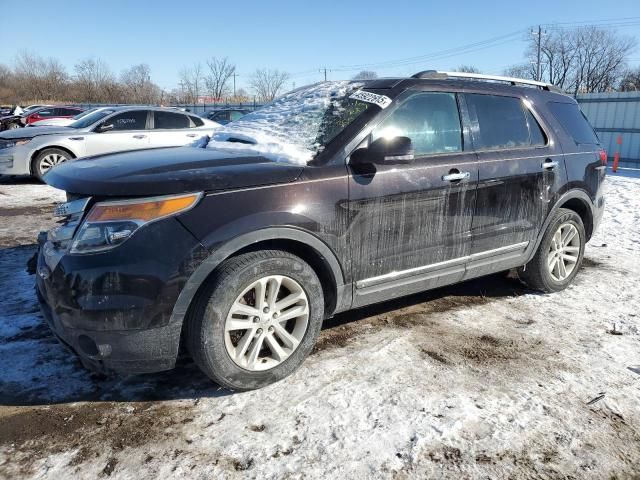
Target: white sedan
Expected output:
[35,150]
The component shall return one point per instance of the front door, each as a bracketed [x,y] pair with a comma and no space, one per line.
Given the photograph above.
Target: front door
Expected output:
[410,223]
[518,169]
[129,132]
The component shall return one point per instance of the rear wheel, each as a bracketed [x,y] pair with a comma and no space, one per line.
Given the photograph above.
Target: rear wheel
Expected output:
[258,320]
[46,160]
[12,126]
[559,255]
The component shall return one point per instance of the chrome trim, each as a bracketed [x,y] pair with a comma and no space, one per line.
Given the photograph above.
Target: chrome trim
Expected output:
[368,282]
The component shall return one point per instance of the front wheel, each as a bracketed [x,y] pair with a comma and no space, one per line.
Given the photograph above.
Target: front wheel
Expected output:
[257,321]
[13,126]
[559,254]
[46,160]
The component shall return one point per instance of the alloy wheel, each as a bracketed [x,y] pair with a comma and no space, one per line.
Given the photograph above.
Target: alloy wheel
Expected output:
[266,323]
[564,252]
[49,161]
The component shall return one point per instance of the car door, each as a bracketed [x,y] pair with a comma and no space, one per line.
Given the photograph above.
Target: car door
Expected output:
[410,223]
[173,129]
[119,132]
[518,169]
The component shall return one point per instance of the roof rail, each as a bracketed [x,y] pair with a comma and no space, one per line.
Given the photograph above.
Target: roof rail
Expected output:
[436,75]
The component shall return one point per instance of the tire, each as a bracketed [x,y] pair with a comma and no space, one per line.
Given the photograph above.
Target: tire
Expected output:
[46,160]
[12,126]
[545,271]
[224,318]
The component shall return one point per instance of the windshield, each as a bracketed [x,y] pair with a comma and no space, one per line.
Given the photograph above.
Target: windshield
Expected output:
[85,113]
[297,126]
[91,118]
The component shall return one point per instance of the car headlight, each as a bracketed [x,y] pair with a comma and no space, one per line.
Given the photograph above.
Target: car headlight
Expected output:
[109,224]
[14,142]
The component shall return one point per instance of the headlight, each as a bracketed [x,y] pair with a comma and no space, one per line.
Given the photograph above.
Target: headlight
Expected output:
[109,224]
[14,143]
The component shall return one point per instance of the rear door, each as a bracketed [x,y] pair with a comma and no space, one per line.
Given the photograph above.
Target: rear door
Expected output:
[519,171]
[129,132]
[410,223]
[173,129]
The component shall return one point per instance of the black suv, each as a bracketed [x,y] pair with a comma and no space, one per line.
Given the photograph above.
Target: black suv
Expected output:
[335,196]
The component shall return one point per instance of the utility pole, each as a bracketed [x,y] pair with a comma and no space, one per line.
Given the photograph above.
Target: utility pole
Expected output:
[325,72]
[538,44]
[234,83]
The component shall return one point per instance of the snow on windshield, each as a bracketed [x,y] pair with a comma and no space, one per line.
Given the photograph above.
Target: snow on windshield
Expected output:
[293,128]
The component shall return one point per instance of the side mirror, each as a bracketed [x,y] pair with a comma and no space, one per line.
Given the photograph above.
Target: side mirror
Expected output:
[105,127]
[385,151]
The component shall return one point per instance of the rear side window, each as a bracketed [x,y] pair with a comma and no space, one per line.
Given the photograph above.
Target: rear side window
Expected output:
[538,137]
[170,120]
[574,122]
[197,121]
[429,119]
[501,120]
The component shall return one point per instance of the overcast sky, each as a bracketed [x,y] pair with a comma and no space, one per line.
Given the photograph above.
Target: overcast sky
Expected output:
[299,37]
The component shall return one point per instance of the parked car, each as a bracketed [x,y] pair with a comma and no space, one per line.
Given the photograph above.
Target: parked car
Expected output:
[333,197]
[31,115]
[64,121]
[226,115]
[49,113]
[34,151]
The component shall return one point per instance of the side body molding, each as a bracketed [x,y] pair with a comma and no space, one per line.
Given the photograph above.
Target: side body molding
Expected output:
[198,277]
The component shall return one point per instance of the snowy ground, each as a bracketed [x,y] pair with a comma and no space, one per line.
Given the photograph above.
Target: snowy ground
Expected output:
[483,379]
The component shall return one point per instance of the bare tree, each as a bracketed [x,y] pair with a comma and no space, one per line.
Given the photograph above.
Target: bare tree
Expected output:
[216,80]
[137,85]
[365,75]
[191,83]
[95,82]
[39,78]
[525,71]
[584,59]
[466,69]
[267,84]
[630,81]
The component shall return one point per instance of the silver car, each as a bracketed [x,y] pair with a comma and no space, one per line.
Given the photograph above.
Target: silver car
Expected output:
[35,150]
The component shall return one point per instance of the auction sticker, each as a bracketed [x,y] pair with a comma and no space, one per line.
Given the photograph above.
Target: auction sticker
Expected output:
[381,100]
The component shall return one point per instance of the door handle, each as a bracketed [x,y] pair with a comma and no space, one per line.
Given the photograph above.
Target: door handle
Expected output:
[139,136]
[549,164]
[76,138]
[456,176]
[191,135]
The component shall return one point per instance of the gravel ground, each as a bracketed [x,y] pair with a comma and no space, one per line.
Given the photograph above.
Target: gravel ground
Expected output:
[481,379]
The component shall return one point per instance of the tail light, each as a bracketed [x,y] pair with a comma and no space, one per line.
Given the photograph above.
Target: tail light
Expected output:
[603,157]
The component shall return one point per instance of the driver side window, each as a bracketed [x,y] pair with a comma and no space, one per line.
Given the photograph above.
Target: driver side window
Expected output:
[133,120]
[430,119]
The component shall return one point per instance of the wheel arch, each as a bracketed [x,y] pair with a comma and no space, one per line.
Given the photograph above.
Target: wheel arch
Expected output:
[577,201]
[298,242]
[48,147]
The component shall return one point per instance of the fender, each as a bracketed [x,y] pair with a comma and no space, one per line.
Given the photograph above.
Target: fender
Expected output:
[571,194]
[203,271]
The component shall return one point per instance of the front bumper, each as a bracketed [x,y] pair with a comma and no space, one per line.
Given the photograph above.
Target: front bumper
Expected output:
[113,309]
[15,160]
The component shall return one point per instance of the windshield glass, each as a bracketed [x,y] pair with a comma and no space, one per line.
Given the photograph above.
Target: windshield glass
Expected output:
[85,113]
[91,118]
[297,126]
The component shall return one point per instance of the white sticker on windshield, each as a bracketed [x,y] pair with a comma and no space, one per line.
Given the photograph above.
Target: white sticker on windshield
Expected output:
[381,100]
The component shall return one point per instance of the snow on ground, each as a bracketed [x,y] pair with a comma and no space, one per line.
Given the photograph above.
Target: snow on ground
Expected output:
[482,379]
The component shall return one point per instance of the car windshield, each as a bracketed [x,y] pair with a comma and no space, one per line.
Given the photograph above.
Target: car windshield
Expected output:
[85,113]
[91,118]
[297,126]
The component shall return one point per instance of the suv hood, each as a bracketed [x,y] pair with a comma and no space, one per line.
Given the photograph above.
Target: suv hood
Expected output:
[30,132]
[165,171]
